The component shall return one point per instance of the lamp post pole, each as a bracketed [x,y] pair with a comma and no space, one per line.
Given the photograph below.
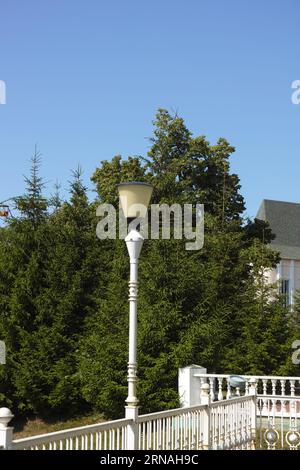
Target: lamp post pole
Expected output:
[134,242]
[134,198]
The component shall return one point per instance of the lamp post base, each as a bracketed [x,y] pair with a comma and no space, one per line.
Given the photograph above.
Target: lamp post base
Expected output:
[131,412]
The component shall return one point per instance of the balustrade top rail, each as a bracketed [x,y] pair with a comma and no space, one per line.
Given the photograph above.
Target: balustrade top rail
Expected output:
[240,399]
[258,377]
[169,413]
[279,397]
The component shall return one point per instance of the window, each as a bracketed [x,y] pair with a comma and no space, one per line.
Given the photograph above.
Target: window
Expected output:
[285,290]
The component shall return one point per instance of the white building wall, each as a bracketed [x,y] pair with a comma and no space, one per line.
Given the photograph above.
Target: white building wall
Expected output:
[287,269]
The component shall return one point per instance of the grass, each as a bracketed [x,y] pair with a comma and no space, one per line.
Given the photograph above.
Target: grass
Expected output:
[35,426]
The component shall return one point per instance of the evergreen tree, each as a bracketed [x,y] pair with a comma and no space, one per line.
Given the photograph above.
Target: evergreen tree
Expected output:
[63,304]
[33,205]
[23,252]
[104,349]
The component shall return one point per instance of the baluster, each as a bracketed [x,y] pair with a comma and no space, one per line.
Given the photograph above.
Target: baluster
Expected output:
[118,437]
[186,431]
[264,402]
[282,386]
[149,435]
[193,430]
[228,395]
[123,438]
[169,421]
[274,381]
[220,393]
[159,435]
[212,388]
[292,409]
[292,382]
[274,409]
[112,439]
[238,394]
[164,431]
[228,436]
[265,385]
[181,432]
[247,388]
[189,431]
[143,437]
[283,403]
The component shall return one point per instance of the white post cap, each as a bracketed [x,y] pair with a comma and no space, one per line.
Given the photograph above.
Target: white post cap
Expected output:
[5,417]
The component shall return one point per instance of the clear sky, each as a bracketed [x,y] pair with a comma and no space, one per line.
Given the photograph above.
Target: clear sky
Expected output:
[84,80]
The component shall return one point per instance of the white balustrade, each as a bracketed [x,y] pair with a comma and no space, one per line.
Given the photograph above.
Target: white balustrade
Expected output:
[178,429]
[103,436]
[268,385]
[222,424]
[215,423]
[231,424]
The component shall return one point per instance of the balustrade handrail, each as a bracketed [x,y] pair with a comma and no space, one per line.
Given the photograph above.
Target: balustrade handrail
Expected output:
[279,397]
[226,402]
[169,413]
[262,377]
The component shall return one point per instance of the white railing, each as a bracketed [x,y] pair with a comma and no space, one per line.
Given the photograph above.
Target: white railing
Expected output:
[173,430]
[103,436]
[266,385]
[227,424]
[278,406]
[233,424]
[236,422]
[278,422]
[221,425]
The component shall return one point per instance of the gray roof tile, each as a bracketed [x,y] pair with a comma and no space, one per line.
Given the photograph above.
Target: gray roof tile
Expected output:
[284,220]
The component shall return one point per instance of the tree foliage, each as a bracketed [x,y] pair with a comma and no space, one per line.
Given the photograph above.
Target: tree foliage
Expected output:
[63,292]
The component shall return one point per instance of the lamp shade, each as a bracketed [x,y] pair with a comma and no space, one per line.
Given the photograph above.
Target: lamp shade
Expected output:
[134,198]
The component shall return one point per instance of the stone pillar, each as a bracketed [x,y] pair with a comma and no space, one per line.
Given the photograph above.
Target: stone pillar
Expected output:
[189,385]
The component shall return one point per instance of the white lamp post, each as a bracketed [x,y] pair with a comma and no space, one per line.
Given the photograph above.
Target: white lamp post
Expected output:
[134,199]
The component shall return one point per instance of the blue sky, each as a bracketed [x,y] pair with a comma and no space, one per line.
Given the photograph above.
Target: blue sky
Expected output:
[85,78]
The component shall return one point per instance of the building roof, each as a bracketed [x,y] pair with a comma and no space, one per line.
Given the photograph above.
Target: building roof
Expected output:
[284,220]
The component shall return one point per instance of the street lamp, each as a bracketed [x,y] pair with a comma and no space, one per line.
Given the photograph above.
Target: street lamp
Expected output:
[134,199]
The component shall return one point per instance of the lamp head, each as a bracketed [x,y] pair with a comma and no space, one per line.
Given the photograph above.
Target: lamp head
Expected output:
[134,198]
